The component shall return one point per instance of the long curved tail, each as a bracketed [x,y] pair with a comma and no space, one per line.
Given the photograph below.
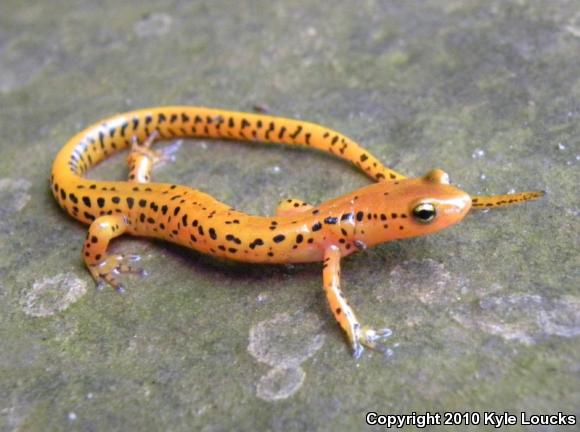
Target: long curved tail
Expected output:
[100,140]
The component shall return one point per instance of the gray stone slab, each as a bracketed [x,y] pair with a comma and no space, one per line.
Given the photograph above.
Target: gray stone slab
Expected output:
[485,316]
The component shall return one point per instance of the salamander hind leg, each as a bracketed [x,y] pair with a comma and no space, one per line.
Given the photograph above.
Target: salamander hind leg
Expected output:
[291,206]
[106,268]
[142,158]
[358,335]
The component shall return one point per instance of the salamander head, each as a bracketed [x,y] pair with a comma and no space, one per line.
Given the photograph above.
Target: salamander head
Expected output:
[430,204]
[416,207]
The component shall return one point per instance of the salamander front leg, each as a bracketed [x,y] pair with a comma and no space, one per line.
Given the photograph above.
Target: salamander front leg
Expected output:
[142,158]
[357,335]
[106,268]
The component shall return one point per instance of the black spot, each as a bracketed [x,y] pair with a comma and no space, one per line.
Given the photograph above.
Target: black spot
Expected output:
[130,202]
[151,220]
[164,209]
[116,200]
[346,216]
[331,220]
[142,203]
[184,220]
[176,210]
[101,139]
[161,118]
[101,202]
[94,239]
[296,132]
[89,216]
[233,238]
[317,226]
[212,233]
[73,198]
[200,230]
[87,201]
[142,217]
[363,157]
[359,216]
[279,238]
[282,131]
[256,242]
[299,238]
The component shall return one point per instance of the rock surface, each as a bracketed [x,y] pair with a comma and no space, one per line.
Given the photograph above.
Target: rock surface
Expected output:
[485,316]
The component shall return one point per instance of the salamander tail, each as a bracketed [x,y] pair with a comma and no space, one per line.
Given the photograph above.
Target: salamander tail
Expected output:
[494,201]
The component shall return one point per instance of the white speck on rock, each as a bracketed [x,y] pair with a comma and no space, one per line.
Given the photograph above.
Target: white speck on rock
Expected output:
[280,383]
[284,342]
[275,170]
[574,31]
[523,318]
[53,294]
[156,24]
[478,153]
[563,319]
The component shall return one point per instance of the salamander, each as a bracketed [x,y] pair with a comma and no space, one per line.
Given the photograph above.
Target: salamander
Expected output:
[393,207]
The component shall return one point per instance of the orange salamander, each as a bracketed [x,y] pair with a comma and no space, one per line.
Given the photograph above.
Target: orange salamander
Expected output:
[392,208]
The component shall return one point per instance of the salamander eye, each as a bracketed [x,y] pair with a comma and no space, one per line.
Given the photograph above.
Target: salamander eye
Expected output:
[425,213]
